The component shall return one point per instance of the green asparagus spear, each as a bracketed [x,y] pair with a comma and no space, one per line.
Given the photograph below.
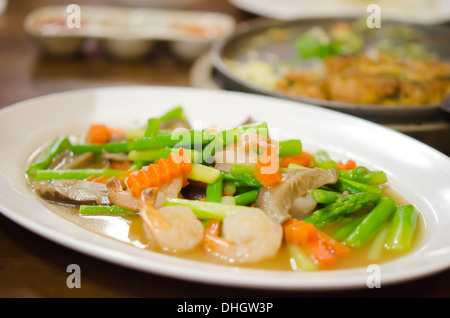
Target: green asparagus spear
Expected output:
[105,210]
[207,210]
[152,127]
[174,113]
[371,222]
[98,148]
[324,196]
[323,160]
[402,227]
[344,205]
[364,175]
[214,190]
[75,174]
[291,147]
[188,139]
[246,197]
[354,187]
[58,145]
[240,180]
[229,136]
[155,154]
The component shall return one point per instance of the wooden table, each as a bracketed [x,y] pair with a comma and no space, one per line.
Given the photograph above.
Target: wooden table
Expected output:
[31,266]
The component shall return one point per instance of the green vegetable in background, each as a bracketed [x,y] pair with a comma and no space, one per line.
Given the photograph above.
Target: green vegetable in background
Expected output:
[309,47]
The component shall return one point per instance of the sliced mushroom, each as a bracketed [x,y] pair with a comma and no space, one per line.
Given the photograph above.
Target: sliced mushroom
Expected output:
[68,160]
[72,192]
[120,157]
[278,200]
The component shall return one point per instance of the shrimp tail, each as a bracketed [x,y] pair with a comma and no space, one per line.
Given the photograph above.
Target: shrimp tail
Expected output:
[119,196]
[212,242]
[150,215]
[148,196]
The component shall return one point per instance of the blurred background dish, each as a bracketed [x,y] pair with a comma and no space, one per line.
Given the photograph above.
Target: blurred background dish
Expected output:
[417,11]
[270,58]
[244,61]
[127,32]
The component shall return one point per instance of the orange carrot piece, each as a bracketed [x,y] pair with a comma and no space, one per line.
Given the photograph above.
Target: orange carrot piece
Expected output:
[338,248]
[123,165]
[308,236]
[320,254]
[98,134]
[268,171]
[159,173]
[305,159]
[125,174]
[299,232]
[349,165]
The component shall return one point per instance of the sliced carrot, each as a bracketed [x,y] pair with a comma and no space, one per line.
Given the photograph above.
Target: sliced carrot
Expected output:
[314,241]
[98,134]
[320,254]
[299,232]
[125,174]
[268,171]
[349,165]
[159,173]
[120,165]
[337,247]
[305,159]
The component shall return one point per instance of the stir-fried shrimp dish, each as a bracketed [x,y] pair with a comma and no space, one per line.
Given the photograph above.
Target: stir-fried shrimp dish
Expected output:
[236,197]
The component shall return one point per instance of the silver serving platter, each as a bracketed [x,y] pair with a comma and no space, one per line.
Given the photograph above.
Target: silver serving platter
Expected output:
[254,39]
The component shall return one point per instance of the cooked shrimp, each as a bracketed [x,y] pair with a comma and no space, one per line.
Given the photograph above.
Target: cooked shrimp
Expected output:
[244,151]
[121,197]
[169,190]
[250,142]
[175,228]
[248,236]
[125,199]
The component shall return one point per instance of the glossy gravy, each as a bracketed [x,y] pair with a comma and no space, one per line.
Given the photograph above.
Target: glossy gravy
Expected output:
[130,230]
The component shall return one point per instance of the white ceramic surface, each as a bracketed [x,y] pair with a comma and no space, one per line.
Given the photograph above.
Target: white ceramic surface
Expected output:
[420,173]
[417,11]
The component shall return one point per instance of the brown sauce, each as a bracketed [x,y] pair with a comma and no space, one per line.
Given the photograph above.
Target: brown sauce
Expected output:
[130,230]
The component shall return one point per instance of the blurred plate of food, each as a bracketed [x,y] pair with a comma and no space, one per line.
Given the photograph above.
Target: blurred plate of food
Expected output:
[396,73]
[126,32]
[417,11]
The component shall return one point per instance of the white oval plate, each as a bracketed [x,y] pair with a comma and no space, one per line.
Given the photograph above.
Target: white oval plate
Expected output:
[420,173]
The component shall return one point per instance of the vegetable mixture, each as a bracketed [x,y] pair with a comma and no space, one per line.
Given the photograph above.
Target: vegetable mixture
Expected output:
[237,194]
